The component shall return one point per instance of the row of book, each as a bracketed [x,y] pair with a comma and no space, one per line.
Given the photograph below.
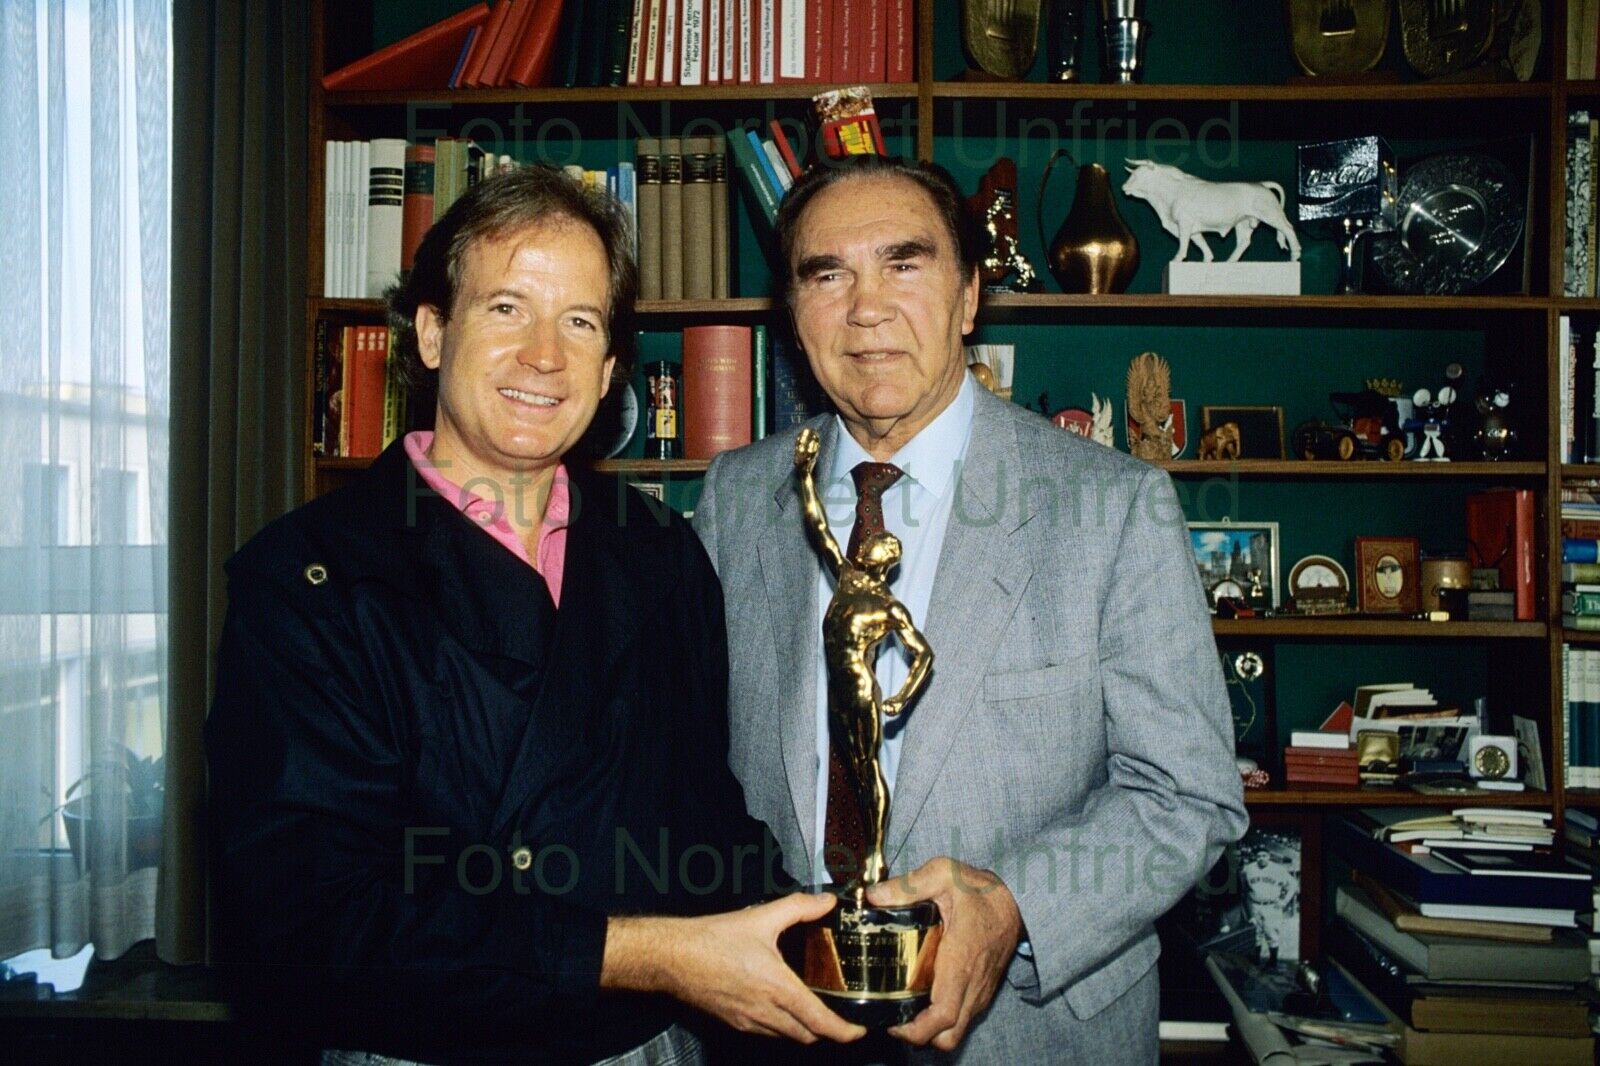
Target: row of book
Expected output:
[358,402]
[381,197]
[680,189]
[1580,715]
[1464,925]
[1579,387]
[1582,178]
[690,43]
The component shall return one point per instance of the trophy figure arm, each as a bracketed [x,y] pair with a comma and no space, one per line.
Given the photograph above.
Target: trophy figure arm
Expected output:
[806,447]
[921,661]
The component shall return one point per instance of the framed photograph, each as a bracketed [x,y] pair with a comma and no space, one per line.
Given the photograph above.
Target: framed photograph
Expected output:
[1237,559]
[1390,574]
[1260,428]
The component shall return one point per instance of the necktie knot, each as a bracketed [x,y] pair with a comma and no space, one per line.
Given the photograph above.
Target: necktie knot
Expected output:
[875,478]
[872,479]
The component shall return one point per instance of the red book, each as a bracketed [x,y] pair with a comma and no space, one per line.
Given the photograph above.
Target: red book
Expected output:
[364,377]
[716,389]
[497,68]
[819,40]
[874,52]
[424,60]
[472,77]
[1500,535]
[787,151]
[417,214]
[846,60]
[898,39]
[530,65]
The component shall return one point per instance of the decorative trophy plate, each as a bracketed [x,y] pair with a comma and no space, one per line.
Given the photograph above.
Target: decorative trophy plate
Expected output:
[1444,36]
[1338,37]
[1460,216]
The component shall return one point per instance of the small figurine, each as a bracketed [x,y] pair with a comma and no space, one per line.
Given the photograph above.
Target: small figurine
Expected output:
[1432,416]
[1100,412]
[1187,205]
[1495,437]
[995,205]
[1220,442]
[1150,405]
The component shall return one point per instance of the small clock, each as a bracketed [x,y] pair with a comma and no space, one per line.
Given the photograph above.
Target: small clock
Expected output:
[1493,758]
[1319,585]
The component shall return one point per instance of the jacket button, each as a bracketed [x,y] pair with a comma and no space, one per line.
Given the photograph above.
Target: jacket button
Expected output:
[316,573]
[522,858]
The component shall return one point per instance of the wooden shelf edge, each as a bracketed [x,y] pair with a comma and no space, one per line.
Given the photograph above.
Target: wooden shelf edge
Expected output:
[1388,797]
[1324,468]
[1357,628]
[606,95]
[1294,93]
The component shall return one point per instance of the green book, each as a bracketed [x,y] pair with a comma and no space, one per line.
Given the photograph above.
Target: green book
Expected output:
[750,175]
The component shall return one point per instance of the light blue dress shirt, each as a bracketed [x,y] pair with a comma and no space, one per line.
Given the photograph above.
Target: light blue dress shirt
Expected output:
[916,509]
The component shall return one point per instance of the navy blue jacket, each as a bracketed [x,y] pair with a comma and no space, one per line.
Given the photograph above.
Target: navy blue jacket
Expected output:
[390,730]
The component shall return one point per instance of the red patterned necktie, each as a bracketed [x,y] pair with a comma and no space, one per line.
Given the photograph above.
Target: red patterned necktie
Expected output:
[844,830]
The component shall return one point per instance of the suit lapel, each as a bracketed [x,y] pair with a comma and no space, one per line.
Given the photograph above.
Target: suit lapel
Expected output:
[789,566]
[982,573]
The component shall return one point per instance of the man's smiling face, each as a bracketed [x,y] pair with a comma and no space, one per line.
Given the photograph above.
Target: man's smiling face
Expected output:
[880,306]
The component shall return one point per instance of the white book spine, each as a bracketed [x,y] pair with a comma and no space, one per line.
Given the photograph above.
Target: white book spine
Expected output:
[652,45]
[386,193]
[327,217]
[730,54]
[746,67]
[636,42]
[792,52]
[358,279]
[692,64]
[347,200]
[711,48]
[669,42]
[1582,717]
[775,157]
[1565,370]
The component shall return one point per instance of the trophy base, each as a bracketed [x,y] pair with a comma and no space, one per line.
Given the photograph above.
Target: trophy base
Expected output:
[870,965]
[875,1013]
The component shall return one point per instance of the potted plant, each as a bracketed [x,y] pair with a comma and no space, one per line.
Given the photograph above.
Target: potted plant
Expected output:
[143,779]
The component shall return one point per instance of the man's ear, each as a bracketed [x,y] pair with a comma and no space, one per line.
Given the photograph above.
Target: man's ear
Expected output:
[969,301]
[430,335]
[607,370]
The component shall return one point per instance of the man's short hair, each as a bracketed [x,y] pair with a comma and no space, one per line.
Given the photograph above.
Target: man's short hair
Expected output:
[969,239]
[501,205]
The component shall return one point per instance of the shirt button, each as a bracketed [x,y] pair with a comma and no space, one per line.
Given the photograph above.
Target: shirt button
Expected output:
[522,858]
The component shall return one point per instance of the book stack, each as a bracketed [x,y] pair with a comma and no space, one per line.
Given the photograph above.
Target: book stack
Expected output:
[359,403]
[1320,759]
[571,43]
[1464,926]
[1501,536]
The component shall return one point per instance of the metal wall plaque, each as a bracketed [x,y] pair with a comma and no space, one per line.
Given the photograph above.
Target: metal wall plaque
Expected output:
[1461,214]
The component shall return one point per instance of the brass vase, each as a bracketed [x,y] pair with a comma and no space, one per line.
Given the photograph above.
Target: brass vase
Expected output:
[1094,251]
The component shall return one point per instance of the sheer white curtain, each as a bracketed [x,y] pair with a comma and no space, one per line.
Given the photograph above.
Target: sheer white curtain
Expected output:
[85,192]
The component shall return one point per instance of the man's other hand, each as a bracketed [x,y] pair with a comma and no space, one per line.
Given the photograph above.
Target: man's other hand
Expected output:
[981,928]
[728,965]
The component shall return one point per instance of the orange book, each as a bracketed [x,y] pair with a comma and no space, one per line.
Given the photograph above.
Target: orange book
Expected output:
[717,385]
[417,214]
[531,64]
[425,60]
[363,395]
[472,75]
[497,68]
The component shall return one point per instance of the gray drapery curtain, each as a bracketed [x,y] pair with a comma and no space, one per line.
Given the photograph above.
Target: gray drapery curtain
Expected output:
[238,352]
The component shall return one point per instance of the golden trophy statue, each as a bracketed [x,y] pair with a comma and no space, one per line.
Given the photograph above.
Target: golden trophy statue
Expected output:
[873,965]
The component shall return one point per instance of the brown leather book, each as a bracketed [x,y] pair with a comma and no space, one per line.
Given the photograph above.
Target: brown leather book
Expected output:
[672,230]
[716,389]
[697,232]
[647,172]
[720,251]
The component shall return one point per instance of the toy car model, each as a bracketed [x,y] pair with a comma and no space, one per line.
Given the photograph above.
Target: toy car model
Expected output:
[1368,428]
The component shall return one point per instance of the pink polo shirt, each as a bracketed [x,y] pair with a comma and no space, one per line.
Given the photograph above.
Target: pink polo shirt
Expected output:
[550,555]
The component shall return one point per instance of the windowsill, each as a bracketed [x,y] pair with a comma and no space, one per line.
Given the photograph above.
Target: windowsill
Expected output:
[136,987]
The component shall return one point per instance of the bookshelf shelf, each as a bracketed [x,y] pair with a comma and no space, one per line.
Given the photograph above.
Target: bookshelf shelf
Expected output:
[1300,92]
[1580,636]
[637,94]
[1154,301]
[1580,471]
[1328,468]
[1373,628]
[1360,796]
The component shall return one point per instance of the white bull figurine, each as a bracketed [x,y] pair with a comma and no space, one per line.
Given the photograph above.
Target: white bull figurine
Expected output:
[1188,205]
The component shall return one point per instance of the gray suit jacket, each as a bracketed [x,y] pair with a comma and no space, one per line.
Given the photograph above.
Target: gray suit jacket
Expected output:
[1075,737]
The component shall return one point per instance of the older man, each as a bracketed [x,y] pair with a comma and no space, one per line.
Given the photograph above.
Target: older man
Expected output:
[1069,769]
[468,747]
